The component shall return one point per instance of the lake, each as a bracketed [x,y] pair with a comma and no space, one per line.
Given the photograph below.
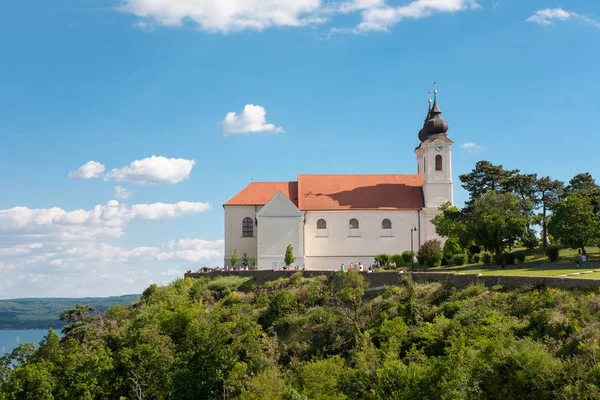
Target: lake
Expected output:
[11,339]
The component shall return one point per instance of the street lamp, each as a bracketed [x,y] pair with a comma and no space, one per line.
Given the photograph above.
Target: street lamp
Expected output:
[412,251]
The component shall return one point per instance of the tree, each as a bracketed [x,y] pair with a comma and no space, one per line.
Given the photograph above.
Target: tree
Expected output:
[431,253]
[549,192]
[574,222]
[255,263]
[497,221]
[245,260]
[585,185]
[494,221]
[486,177]
[289,255]
[234,258]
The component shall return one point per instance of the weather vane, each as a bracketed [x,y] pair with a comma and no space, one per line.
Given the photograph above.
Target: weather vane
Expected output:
[434,86]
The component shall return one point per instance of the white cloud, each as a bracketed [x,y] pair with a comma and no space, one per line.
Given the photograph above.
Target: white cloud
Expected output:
[153,170]
[91,169]
[227,15]
[549,16]
[251,120]
[193,250]
[237,15]
[145,26]
[381,17]
[122,193]
[22,225]
[471,147]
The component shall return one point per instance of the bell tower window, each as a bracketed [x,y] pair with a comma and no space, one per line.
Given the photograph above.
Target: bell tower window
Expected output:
[438,163]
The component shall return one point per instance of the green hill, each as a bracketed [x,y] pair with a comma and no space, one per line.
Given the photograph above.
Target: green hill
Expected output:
[43,313]
[319,338]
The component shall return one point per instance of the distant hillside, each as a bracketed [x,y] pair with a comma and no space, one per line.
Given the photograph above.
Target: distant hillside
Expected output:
[43,313]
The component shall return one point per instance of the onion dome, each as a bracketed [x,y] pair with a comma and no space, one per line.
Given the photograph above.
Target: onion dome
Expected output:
[422,134]
[435,124]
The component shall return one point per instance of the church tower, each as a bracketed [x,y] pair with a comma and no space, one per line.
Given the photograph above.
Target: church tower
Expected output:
[434,158]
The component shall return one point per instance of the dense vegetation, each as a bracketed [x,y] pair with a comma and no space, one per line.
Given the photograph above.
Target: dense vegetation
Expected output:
[319,338]
[44,313]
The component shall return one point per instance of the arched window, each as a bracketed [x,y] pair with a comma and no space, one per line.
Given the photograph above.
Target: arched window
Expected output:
[386,224]
[247,227]
[321,224]
[438,163]
[353,223]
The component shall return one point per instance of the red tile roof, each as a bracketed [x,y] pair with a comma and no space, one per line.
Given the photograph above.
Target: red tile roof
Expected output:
[360,192]
[259,193]
[340,192]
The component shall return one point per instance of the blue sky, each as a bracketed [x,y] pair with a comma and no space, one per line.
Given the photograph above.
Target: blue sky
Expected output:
[343,85]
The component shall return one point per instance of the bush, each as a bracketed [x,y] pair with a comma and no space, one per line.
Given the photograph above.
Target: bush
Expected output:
[552,252]
[459,259]
[383,259]
[451,247]
[407,256]
[431,253]
[520,256]
[476,258]
[487,258]
[474,249]
[530,239]
[397,258]
[509,258]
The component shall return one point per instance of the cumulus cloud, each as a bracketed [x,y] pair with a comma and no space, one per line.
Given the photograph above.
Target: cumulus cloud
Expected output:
[549,16]
[122,193]
[153,170]
[21,225]
[227,15]
[98,269]
[91,169]
[471,147]
[236,15]
[251,120]
[379,16]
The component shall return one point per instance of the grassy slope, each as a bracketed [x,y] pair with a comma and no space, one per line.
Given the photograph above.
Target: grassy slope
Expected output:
[43,313]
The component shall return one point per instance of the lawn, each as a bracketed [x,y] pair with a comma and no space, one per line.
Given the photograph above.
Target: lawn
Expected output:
[531,272]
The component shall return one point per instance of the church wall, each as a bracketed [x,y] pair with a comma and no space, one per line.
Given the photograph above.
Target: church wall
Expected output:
[274,235]
[234,215]
[339,246]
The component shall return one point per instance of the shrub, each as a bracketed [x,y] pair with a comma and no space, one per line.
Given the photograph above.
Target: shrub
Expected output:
[397,258]
[487,258]
[382,259]
[520,256]
[407,256]
[476,258]
[552,252]
[509,258]
[474,249]
[459,259]
[431,253]
[451,247]
[530,239]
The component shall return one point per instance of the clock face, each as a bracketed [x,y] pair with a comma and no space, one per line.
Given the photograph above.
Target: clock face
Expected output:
[438,146]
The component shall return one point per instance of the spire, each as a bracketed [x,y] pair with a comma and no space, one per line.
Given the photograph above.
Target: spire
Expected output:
[435,109]
[435,124]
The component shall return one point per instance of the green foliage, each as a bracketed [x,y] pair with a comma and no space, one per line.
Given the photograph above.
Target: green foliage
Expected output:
[520,256]
[234,258]
[407,256]
[575,223]
[530,239]
[398,260]
[319,338]
[552,252]
[289,255]
[487,258]
[474,249]
[459,259]
[451,247]
[477,258]
[509,258]
[382,259]
[245,260]
[431,253]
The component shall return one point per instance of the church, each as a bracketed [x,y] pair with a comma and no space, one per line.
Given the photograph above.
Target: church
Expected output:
[338,219]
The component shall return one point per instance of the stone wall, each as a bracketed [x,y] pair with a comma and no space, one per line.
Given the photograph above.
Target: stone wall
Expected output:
[392,278]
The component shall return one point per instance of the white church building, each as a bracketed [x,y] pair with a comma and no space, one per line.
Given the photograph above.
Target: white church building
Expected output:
[335,219]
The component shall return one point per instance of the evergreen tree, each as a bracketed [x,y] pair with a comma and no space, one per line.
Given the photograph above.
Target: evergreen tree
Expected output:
[245,260]
[234,258]
[289,255]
